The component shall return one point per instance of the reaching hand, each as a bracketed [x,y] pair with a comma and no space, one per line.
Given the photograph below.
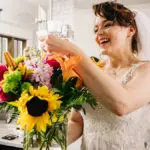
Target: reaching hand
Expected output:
[52,43]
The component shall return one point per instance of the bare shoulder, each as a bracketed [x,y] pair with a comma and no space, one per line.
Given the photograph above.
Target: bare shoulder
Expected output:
[144,68]
[143,72]
[141,77]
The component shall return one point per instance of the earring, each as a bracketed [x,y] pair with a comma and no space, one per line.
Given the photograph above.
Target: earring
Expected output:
[135,53]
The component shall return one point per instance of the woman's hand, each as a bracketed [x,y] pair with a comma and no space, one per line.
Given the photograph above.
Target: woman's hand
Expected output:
[52,43]
[75,127]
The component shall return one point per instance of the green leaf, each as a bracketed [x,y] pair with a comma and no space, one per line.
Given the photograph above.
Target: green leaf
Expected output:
[82,97]
[70,84]
[57,79]
[25,86]
[13,116]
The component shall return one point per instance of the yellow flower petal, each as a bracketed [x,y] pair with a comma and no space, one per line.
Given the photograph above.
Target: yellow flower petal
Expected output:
[40,122]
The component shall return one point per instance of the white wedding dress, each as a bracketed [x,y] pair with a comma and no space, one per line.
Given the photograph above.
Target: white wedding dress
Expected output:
[103,130]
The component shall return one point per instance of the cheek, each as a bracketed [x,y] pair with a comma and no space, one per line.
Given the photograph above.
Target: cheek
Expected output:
[118,37]
[97,39]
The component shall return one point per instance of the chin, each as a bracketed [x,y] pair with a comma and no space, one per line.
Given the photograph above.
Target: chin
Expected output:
[107,51]
[104,52]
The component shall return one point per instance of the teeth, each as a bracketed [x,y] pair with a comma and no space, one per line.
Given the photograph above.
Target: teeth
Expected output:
[105,40]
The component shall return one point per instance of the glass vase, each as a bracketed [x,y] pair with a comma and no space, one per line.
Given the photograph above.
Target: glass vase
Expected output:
[32,141]
[55,138]
[60,138]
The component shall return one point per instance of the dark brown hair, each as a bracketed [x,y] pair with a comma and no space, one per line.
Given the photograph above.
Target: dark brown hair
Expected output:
[120,14]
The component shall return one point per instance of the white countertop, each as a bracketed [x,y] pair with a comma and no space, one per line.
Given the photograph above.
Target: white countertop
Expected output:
[6,129]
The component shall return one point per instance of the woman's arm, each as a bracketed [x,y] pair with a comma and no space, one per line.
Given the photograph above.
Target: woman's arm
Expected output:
[110,92]
[119,100]
[75,127]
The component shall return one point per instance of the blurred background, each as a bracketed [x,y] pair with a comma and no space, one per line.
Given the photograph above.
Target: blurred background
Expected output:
[22,22]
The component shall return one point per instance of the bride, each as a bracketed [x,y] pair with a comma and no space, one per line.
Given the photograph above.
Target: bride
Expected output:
[121,120]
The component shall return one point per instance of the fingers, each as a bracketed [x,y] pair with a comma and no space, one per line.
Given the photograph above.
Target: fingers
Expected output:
[56,50]
[51,39]
[43,38]
[52,43]
[46,39]
[50,48]
[44,47]
[46,43]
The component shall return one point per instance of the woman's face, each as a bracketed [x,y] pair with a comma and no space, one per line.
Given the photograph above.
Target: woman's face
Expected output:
[111,37]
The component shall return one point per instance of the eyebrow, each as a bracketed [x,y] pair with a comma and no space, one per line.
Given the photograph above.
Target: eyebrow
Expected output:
[102,22]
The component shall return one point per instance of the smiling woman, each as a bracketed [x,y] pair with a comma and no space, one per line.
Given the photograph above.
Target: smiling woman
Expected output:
[110,22]
[121,87]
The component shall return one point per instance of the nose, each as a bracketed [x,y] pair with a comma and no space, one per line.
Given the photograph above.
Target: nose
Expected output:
[100,31]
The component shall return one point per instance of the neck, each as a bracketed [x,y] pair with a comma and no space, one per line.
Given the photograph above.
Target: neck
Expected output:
[120,61]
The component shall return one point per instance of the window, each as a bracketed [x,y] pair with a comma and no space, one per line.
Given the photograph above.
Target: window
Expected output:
[14,45]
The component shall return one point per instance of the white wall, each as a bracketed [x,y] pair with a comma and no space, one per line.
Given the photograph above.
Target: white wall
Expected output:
[18,12]
[83,28]
[84,31]
[81,21]
[63,11]
[17,19]
[13,30]
[143,7]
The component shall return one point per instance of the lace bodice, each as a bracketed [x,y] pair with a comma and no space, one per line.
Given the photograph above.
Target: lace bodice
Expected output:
[103,130]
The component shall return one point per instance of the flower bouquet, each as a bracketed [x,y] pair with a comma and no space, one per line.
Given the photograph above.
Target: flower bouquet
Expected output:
[41,91]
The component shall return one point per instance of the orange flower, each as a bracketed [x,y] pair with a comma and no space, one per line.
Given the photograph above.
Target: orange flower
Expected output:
[69,70]
[67,66]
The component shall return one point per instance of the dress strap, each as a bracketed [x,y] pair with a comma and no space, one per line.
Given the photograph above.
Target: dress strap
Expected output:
[130,73]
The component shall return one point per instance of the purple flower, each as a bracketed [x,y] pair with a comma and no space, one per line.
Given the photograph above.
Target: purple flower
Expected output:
[41,72]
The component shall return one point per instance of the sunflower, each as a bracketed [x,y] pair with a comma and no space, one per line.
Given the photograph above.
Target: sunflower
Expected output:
[34,108]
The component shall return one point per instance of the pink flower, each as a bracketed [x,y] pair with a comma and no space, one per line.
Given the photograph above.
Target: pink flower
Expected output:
[53,63]
[3,68]
[3,96]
